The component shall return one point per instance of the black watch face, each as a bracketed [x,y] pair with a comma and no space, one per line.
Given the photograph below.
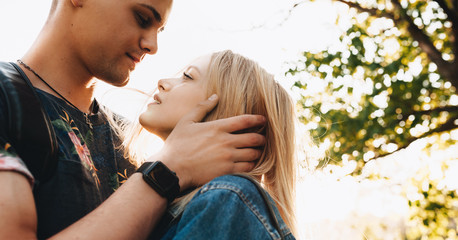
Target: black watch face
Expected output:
[163,176]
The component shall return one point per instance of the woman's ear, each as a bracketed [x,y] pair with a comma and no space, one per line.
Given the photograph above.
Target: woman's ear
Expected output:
[77,3]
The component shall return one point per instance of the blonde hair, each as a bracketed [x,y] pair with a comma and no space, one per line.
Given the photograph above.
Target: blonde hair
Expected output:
[243,87]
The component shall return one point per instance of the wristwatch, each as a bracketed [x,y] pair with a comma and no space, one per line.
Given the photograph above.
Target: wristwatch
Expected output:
[163,180]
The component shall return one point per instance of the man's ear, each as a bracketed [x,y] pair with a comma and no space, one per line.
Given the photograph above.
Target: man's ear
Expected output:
[77,3]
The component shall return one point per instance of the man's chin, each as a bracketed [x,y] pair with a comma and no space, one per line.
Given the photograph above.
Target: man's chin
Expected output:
[116,81]
[121,84]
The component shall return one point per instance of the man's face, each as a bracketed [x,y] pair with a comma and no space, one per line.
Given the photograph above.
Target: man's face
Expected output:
[111,36]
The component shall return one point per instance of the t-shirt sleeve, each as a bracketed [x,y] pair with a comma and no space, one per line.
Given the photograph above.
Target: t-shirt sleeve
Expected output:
[9,159]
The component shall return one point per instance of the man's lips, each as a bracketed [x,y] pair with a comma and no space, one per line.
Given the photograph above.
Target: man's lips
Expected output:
[135,59]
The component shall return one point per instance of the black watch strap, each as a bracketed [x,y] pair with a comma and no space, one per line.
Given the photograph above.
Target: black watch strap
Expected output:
[163,180]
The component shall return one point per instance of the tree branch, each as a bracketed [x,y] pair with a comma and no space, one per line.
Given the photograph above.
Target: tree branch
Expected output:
[297,4]
[424,41]
[451,14]
[447,126]
[453,17]
[445,68]
[435,110]
[286,18]
[372,11]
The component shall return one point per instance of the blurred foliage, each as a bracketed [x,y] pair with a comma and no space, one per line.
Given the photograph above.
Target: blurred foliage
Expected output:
[390,80]
[433,203]
[434,215]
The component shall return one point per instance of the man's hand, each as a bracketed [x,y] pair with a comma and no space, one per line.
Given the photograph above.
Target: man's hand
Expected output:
[199,152]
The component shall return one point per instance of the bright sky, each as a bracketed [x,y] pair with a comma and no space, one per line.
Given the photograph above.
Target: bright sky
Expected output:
[195,27]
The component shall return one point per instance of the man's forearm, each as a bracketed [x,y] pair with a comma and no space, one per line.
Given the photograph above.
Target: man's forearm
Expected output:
[130,213]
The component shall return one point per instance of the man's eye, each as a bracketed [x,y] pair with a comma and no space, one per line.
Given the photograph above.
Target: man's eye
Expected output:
[142,20]
[187,76]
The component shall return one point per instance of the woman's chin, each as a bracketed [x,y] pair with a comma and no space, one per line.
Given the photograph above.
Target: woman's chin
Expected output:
[161,134]
[161,131]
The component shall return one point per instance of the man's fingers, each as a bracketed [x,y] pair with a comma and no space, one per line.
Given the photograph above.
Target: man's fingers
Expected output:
[240,167]
[237,123]
[245,140]
[246,155]
[199,112]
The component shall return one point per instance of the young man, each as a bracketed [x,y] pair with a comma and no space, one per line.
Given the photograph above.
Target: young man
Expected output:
[105,39]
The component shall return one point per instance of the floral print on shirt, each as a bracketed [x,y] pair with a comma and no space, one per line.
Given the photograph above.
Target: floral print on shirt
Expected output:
[80,147]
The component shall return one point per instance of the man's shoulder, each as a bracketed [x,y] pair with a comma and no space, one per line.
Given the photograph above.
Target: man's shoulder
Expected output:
[10,78]
[8,75]
[7,71]
[5,65]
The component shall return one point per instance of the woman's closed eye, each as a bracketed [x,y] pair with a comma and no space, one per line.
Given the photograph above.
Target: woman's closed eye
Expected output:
[187,76]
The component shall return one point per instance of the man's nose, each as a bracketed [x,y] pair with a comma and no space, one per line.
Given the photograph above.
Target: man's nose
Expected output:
[149,43]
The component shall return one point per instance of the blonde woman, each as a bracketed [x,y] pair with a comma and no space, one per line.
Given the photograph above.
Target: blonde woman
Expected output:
[229,207]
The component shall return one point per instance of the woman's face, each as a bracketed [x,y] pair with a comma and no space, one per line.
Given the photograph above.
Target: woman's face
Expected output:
[176,97]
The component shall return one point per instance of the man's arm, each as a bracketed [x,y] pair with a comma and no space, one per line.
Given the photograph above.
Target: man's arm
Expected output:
[130,213]
[18,218]
[197,152]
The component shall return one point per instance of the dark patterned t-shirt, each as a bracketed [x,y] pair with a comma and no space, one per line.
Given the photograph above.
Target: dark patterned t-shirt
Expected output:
[89,169]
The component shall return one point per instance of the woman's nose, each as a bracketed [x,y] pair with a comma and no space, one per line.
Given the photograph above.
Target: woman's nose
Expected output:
[164,85]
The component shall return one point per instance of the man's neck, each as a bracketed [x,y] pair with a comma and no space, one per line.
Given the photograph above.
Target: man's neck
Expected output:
[56,64]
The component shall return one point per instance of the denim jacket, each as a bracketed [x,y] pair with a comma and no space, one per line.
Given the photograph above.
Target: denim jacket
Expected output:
[228,207]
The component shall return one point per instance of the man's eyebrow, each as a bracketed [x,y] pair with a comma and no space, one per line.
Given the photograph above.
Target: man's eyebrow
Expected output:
[156,14]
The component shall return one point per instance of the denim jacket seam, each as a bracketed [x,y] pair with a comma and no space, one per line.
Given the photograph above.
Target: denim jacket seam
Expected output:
[247,202]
